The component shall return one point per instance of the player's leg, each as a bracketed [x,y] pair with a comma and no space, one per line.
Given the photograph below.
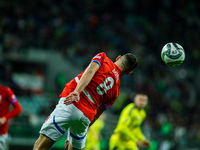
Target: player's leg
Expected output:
[53,128]
[43,143]
[72,148]
[78,131]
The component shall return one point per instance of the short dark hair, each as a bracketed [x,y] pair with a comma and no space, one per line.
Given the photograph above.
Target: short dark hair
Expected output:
[141,93]
[129,62]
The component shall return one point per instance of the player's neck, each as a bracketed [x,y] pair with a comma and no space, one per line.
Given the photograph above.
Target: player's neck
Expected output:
[121,69]
[138,107]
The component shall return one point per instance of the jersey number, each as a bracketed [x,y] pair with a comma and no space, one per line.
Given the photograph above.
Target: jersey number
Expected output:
[104,87]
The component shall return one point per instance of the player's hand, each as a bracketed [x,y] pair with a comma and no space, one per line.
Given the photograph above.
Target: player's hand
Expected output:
[72,97]
[2,121]
[66,144]
[140,144]
[147,143]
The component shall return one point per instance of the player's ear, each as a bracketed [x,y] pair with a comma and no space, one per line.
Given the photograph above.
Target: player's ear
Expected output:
[118,57]
[129,72]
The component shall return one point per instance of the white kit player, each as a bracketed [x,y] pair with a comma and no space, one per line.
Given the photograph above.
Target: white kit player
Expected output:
[84,99]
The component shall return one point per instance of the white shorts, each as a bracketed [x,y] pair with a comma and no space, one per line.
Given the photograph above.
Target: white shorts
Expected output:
[3,141]
[63,118]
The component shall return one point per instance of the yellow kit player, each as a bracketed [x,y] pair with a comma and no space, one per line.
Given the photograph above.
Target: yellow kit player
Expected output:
[94,134]
[128,134]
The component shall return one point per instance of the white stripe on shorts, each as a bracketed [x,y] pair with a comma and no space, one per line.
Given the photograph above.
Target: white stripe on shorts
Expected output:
[87,94]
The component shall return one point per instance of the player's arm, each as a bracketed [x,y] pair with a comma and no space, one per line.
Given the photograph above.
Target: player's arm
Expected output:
[138,130]
[141,137]
[123,127]
[10,96]
[125,122]
[87,76]
[13,113]
[84,81]
[100,110]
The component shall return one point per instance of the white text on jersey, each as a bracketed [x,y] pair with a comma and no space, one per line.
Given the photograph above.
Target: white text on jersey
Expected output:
[116,74]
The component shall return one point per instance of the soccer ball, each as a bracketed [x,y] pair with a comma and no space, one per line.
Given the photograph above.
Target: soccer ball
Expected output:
[173,54]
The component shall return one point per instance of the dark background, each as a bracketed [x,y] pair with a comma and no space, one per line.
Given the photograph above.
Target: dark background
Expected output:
[44,44]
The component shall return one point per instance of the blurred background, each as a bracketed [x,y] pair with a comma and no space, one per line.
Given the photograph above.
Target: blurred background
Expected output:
[46,43]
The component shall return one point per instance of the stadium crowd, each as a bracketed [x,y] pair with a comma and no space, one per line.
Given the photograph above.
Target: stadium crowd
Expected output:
[80,29]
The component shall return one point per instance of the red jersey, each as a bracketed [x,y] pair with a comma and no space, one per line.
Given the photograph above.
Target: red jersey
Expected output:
[103,89]
[7,97]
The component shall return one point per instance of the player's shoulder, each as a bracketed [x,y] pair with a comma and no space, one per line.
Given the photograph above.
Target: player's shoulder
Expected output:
[101,54]
[8,90]
[4,87]
[128,106]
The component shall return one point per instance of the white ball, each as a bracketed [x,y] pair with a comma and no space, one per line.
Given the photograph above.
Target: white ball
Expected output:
[173,54]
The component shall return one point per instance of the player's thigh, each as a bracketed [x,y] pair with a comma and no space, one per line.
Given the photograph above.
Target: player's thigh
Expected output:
[43,143]
[78,131]
[59,121]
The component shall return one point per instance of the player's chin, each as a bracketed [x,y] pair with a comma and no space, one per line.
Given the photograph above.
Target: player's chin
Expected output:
[141,106]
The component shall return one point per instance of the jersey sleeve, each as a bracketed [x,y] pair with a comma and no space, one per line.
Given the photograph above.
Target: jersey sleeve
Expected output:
[16,106]
[98,58]
[139,133]
[15,111]
[125,122]
[10,95]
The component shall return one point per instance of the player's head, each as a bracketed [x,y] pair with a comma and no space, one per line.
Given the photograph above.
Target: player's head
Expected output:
[140,100]
[127,63]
